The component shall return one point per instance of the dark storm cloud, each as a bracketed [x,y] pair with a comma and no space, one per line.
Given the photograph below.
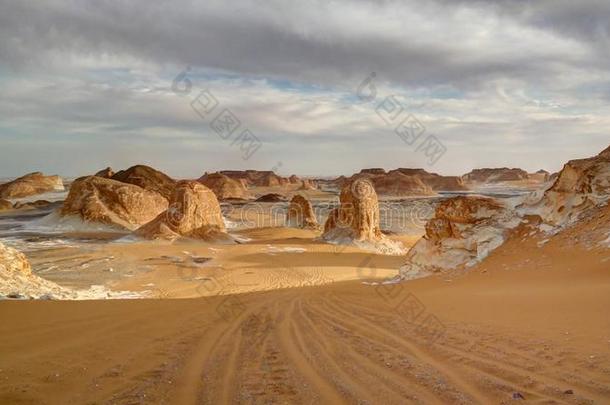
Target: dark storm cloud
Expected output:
[311,41]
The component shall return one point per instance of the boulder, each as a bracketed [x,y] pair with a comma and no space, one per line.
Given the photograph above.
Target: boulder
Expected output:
[300,214]
[147,178]
[106,201]
[31,184]
[106,173]
[462,232]
[223,186]
[193,212]
[356,220]
[294,179]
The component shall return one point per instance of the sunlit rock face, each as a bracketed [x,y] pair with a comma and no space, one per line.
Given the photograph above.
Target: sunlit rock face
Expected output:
[300,213]
[31,184]
[193,212]
[95,199]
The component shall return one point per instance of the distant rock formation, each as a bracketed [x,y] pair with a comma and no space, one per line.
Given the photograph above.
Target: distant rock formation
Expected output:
[307,184]
[147,178]
[300,214]
[17,280]
[271,197]
[581,185]
[375,171]
[106,201]
[495,175]
[540,176]
[31,184]
[462,232]
[5,205]
[106,173]
[193,212]
[293,179]
[435,181]
[400,185]
[258,178]
[356,220]
[223,186]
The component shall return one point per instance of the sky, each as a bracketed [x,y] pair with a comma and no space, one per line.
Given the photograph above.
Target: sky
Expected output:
[310,87]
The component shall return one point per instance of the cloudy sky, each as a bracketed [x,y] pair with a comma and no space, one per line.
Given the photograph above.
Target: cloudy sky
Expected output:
[87,84]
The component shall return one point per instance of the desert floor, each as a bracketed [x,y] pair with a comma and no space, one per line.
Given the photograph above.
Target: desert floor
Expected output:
[531,320]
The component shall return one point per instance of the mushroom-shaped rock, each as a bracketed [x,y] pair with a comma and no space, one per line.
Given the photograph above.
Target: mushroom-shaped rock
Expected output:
[31,184]
[147,178]
[106,201]
[300,213]
[193,212]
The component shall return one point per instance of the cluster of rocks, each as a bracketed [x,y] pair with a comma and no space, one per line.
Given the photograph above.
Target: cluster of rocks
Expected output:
[465,229]
[266,178]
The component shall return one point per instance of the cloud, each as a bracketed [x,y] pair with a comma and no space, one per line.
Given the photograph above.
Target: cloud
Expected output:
[497,81]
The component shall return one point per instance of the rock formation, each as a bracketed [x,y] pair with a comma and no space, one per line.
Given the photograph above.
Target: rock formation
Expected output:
[435,181]
[356,220]
[398,184]
[106,201]
[147,178]
[495,175]
[193,212]
[293,179]
[300,213]
[581,185]
[106,173]
[262,178]
[462,232]
[307,184]
[271,197]
[5,205]
[223,186]
[31,205]
[17,280]
[31,184]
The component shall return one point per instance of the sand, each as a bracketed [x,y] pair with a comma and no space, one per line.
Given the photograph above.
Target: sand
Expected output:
[530,320]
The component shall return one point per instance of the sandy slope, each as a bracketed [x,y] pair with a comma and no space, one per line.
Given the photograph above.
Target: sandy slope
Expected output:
[529,319]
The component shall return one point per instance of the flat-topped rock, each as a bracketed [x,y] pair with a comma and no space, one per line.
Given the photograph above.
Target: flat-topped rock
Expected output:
[31,184]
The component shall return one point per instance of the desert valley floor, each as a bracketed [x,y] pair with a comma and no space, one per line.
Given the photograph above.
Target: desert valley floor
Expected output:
[490,296]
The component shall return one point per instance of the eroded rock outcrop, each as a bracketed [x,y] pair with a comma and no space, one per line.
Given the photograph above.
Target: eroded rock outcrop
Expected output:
[31,184]
[300,214]
[356,220]
[17,280]
[462,232]
[271,197]
[495,175]
[435,181]
[147,178]
[98,200]
[193,212]
[223,186]
[307,184]
[258,178]
[581,185]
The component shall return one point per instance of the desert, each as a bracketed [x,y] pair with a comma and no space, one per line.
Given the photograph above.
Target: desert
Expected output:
[322,202]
